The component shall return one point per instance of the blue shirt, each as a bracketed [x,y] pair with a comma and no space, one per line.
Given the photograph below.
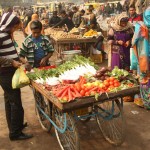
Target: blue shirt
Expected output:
[38,52]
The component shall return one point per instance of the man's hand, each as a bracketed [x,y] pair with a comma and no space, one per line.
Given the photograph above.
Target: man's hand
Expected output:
[28,66]
[43,62]
[16,64]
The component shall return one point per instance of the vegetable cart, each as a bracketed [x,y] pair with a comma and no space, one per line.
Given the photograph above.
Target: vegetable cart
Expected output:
[106,108]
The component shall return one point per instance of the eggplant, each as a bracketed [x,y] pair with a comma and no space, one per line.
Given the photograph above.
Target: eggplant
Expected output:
[121,78]
[106,77]
[109,69]
[99,74]
[102,78]
[103,69]
[105,74]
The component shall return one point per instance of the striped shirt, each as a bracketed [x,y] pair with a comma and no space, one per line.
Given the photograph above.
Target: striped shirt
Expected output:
[28,48]
[7,49]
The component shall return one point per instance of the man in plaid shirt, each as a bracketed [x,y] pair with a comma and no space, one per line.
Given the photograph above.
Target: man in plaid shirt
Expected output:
[36,48]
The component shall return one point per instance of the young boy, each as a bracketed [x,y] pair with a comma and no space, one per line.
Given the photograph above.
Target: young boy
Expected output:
[36,48]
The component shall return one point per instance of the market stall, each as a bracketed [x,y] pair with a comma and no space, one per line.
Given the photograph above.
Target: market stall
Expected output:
[73,40]
[62,93]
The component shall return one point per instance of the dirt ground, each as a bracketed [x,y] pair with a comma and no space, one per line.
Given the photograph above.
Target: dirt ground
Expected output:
[137,128]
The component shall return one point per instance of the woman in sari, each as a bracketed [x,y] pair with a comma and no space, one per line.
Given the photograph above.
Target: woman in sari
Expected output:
[119,37]
[141,47]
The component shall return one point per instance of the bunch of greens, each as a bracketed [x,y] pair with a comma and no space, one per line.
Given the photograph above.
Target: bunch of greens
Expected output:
[119,72]
[55,72]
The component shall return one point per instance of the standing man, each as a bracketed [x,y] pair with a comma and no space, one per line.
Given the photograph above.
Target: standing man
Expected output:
[66,21]
[54,19]
[9,62]
[76,17]
[133,16]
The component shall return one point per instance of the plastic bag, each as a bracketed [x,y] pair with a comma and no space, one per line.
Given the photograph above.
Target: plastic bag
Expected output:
[20,79]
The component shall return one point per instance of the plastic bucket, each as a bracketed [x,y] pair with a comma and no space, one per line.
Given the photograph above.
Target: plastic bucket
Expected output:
[68,55]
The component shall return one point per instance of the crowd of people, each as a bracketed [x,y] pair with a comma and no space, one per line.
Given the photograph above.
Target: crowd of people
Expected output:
[128,29]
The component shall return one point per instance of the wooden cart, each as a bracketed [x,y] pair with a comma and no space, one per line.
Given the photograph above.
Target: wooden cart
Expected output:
[85,43]
[106,108]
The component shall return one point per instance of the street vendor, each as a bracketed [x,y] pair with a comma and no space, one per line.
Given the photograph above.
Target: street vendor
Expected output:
[36,48]
[66,21]
[54,19]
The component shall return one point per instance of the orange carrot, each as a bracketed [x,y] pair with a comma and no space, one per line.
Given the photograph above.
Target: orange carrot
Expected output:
[77,94]
[69,94]
[61,92]
[64,93]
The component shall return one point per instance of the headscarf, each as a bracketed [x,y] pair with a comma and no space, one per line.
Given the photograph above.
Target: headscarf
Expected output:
[146,17]
[33,18]
[116,24]
[8,21]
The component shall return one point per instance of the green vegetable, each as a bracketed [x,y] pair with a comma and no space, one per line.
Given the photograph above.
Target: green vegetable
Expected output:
[55,72]
[116,72]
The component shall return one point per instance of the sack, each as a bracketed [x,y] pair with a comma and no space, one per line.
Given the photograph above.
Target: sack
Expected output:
[95,51]
[20,79]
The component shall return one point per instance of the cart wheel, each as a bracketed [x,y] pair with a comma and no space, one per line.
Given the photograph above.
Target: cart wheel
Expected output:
[111,121]
[69,140]
[46,107]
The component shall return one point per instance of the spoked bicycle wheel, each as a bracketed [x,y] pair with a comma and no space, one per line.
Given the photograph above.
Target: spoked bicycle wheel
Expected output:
[111,121]
[43,105]
[68,139]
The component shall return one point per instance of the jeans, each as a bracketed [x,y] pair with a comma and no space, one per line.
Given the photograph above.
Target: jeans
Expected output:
[13,105]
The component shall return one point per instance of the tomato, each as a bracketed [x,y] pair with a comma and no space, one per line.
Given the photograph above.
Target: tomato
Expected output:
[103,87]
[106,83]
[112,79]
[87,94]
[111,83]
[116,81]
[108,80]
[111,86]
[116,84]
[82,92]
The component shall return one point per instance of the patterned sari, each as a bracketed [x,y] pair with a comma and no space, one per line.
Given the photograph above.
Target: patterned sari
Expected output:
[141,45]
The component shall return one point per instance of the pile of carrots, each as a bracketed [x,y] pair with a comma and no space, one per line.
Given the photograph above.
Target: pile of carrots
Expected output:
[69,92]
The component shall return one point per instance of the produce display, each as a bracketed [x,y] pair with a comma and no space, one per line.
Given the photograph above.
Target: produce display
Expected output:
[74,30]
[91,33]
[81,77]
[60,34]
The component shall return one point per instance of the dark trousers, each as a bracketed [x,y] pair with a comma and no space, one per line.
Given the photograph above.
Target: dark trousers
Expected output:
[13,105]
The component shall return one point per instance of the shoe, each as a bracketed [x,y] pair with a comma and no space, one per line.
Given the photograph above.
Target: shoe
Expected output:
[22,136]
